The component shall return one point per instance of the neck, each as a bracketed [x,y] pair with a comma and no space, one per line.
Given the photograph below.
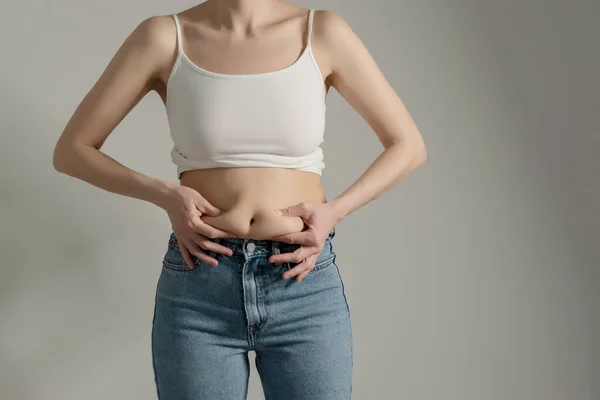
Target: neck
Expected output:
[242,15]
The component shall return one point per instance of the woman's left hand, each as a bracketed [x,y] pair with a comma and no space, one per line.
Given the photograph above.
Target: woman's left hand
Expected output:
[320,219]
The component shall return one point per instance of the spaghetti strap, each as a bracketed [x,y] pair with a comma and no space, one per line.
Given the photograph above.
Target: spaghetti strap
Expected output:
[179,48]
[179,41]
[311,13]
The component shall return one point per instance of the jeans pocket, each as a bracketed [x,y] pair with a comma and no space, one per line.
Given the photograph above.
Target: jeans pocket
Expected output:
[174,260]
[321,265]
[326,257]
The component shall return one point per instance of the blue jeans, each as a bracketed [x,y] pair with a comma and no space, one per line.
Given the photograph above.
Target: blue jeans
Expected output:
[207,319]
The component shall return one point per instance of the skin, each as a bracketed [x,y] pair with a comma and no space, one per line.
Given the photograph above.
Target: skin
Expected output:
[259,203]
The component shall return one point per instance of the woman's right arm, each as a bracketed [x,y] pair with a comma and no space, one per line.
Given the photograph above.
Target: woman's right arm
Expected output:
[128,77]
[132,72]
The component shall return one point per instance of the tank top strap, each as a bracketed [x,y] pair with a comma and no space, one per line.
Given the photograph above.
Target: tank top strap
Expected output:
[311,13]
[179,35]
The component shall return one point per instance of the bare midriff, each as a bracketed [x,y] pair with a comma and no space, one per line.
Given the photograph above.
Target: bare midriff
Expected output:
[249,197]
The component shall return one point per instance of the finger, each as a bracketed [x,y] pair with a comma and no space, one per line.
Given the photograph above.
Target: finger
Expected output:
[197,251]
[306,237]
[186,254]
[303,275]
[299,210]
[210,231]
[307,265]
[206,208]
[297,270]
[296,256]
[208,244]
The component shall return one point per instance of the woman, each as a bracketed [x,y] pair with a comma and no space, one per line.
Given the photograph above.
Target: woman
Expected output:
[244,84]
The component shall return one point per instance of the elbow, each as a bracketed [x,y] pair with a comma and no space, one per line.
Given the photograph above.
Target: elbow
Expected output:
[418,153]
[420,156]
[57,161]
[413,148]
[60,157]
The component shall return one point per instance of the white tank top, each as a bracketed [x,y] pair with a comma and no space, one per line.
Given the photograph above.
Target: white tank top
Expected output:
[270,119]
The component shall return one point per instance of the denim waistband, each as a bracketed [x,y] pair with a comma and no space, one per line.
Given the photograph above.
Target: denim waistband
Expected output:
[258,247]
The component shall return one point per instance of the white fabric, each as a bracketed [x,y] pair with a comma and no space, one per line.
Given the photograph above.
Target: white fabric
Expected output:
[271,119]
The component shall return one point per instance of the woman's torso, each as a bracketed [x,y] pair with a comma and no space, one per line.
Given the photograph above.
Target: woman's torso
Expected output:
[248,195]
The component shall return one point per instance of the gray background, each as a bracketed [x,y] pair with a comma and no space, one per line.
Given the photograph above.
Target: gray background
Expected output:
[477,277]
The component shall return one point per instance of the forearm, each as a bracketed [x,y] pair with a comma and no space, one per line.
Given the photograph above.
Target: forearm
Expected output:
[391,166]
[93,166]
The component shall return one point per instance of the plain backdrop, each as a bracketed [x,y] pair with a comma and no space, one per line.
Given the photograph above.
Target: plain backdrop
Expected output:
[475,278]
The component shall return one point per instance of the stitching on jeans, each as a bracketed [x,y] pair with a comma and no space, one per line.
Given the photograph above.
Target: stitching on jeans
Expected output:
[349,325]
[324,263]
[318,267]
[265,298]
[173,245]
[181,268]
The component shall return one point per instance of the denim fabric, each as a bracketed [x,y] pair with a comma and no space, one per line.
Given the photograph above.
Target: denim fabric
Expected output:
[206,320]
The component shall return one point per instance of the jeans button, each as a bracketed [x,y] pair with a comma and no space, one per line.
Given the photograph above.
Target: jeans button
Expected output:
[250,246]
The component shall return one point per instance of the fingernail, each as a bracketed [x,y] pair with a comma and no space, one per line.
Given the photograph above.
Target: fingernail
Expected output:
[279,212]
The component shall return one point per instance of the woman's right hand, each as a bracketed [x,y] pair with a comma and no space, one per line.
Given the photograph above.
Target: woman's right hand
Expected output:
[185,206]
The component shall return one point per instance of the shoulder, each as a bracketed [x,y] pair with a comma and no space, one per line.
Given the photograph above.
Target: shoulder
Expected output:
[337,44]
[158,31]
[153,40]
[330,27]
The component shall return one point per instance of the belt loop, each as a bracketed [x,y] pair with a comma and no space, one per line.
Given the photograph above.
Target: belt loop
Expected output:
[275,247]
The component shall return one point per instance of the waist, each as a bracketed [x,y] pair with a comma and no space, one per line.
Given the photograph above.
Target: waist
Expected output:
[258,247]
[249,197]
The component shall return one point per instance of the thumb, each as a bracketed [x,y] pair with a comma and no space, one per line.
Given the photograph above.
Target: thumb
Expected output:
[206,208]
[293,211]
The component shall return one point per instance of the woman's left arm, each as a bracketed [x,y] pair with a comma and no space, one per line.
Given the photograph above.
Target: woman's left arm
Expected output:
[357,77]
[360,81]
